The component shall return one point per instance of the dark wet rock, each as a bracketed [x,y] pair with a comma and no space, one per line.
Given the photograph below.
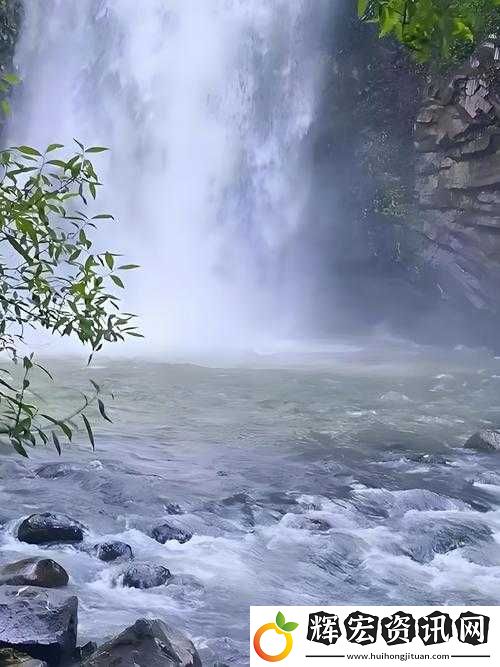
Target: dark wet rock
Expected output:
[166,533]
[48,527]
[43,572]
[441,538]
[39,622]
[145,575]
[109,551]
[11,658]
[149,643]
[486,440]
[83,652]
[172,508]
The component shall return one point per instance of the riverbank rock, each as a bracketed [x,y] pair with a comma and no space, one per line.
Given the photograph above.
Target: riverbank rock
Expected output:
[147,643]
[458,177]
[11,658]
[39,622]
[145,575]
[43,572]
[48,527]
[109,551]
[487,440]
[166,533]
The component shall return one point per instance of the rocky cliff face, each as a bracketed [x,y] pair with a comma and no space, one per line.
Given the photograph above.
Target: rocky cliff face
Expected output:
[457,135]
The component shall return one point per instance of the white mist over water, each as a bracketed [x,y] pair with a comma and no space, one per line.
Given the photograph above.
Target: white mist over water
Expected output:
[206,107]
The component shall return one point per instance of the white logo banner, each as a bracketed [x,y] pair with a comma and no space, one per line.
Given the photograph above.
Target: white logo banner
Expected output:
[338,636]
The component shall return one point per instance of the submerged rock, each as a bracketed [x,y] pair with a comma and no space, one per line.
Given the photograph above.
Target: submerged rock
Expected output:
[9,657]
[147,643]
[445,537]
[109,551]
[145,575]
[39,622]
[430,459]
[48,527]
[166,533]
[486,440]
[43,572]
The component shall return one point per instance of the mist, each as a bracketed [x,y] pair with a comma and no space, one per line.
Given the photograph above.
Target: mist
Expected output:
[206,109]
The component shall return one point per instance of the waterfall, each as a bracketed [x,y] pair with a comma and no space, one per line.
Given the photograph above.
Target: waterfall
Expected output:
[206,107]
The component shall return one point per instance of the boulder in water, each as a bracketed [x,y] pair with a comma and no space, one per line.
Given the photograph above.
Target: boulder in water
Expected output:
[43,572]
[166,533]
[486,440]
[145,575]
[149,643]
[48,527]
[9,657]
[109,551]
[39,622]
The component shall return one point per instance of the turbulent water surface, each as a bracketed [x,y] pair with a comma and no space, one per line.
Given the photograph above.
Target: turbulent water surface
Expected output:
[336,477]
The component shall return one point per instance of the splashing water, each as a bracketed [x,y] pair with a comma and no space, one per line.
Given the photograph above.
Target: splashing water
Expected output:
[206,107]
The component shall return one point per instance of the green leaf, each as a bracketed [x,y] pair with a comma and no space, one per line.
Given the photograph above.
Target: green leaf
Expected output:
[96,386]
[290,627]
[280,620]
[127,267]
[362,7]
[96,149]
[89,431]
[11,78]
[53,147]
[57,444]
[109,260]
[6,110]
[57,163]
[66,430]
[19,448]
[117,281]
[100,404]
[28,150]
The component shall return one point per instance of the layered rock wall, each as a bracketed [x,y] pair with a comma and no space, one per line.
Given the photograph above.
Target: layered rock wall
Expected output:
[457,138]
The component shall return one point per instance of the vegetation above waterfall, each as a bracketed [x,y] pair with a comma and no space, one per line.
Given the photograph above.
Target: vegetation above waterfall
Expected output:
[51,278]
[437,30]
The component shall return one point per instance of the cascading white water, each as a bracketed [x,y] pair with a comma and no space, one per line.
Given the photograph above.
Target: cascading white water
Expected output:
[206,106]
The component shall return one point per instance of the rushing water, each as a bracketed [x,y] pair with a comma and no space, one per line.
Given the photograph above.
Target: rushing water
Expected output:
[206,107]
[327,478]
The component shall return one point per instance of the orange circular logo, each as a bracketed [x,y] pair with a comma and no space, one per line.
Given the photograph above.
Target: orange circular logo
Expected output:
[280,627]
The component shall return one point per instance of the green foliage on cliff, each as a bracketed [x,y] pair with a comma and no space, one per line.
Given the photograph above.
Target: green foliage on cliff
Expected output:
[51,278]
[434,30]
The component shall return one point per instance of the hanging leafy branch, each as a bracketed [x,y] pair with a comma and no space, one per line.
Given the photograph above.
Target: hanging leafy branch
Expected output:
[438,30]
[50,278]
